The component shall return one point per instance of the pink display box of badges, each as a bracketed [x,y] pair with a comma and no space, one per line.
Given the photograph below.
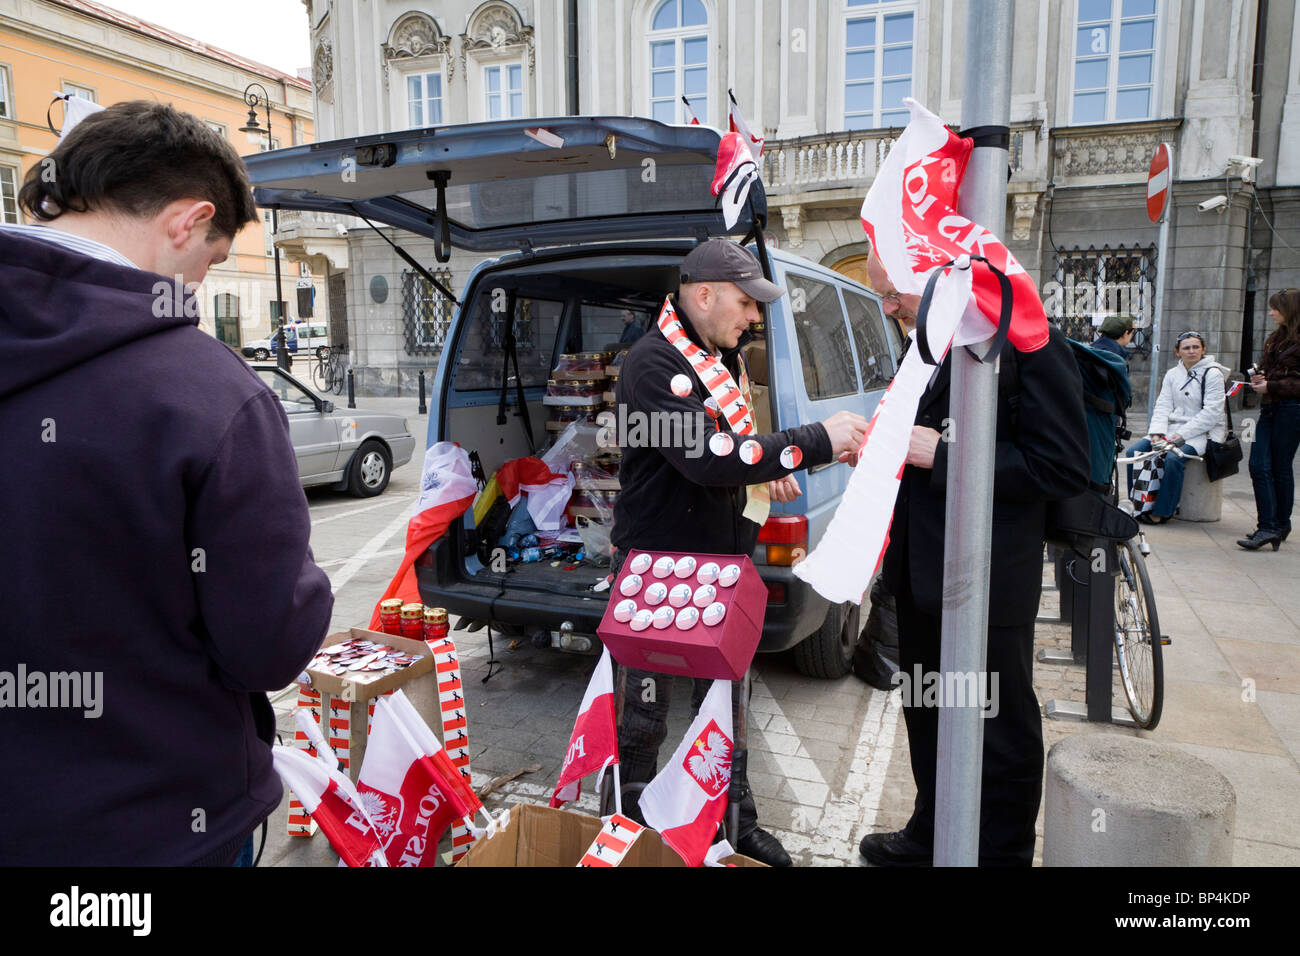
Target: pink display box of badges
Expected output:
[700,615]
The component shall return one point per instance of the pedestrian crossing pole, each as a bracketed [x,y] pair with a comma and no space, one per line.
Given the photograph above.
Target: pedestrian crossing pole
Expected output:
[986,103]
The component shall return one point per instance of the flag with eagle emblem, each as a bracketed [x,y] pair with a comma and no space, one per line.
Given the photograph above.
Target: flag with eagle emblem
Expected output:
[333,802]
[688,798]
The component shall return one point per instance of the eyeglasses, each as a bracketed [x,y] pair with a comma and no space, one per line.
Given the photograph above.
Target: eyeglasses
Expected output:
[894,297]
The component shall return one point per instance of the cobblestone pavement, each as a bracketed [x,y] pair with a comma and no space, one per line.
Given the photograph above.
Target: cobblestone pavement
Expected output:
[829,759]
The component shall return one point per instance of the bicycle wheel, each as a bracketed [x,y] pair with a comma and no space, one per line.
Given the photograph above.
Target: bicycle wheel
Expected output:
[340,376]
[320,376]
[1137,638]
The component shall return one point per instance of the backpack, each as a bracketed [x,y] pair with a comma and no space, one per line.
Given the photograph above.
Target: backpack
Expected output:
[1107,394]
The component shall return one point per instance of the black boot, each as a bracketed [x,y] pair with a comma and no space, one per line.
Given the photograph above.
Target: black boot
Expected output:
[1260,538]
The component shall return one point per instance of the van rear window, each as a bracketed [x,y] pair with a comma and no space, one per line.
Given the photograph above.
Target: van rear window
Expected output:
[482,350]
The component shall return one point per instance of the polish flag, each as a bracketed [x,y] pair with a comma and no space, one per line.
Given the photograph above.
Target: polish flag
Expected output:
[594,744]
[736,123]
[409,798]
[735,172]
[688,798]
[1234,388]
[447,489]
[333,802]
[460,792]
[690,113]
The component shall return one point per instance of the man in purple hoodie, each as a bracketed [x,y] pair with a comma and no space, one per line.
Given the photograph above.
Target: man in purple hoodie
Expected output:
[156,578]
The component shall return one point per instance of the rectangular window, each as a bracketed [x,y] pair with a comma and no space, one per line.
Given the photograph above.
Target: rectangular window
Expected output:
[225,313]
[1114,61]
[218,128]
[679,67]
[878,62]
[9,195]
[426,315]
[823,339]
[504,88]
[536,327]
[6,95]
[1092,284]
[424,99]
[875,362]
[85,92]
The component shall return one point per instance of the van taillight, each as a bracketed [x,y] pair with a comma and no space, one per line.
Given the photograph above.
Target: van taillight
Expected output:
[786,538]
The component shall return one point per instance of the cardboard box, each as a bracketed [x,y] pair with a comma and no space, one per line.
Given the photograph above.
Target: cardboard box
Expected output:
[540,836]
[354,686]
[719,651]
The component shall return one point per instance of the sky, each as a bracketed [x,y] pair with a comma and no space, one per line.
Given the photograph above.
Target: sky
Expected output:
[274,32]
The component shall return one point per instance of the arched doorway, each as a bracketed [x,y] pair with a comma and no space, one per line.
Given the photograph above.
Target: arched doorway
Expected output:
[855,268]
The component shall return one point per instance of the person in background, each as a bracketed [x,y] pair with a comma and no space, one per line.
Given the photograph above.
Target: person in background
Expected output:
[1114,335]
[632,329]
[1277,380]
[1188,412]
[158,531]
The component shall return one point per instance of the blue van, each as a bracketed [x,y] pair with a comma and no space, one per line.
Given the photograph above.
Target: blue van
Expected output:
[600,225]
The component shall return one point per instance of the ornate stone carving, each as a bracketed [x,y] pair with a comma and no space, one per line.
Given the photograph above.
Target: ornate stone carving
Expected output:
[1026,204]
[1108,151]
[417,35]
[497,27]
[792,220]
[322,71]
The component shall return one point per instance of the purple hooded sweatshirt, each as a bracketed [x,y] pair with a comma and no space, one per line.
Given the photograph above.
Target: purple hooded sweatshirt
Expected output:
[156,547]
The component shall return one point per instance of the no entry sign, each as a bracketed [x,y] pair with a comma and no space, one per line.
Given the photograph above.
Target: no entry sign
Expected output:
[1158,181]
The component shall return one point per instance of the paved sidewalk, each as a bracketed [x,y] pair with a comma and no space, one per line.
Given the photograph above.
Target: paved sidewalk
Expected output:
[829,758]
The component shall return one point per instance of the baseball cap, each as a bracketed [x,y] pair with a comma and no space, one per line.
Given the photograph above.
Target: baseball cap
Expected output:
[721,260]
[1116,325]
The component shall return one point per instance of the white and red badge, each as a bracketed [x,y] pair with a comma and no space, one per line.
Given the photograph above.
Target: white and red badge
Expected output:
[721,444]
[714,613]
[687,618]
[751,452]
[663,616]
[680,385]
[684,567]
[624,610]
[664,567]
[656,593]
[705,594]
[641,620]
[708,572]
[680,595]
[791,457]
[728,575]
[640,564]
[630,585]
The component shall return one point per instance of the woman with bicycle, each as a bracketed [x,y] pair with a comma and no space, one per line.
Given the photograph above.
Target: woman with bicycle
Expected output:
[1277,436]
[1188,411]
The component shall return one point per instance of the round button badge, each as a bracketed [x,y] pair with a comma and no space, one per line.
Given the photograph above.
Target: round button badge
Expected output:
[680,385]
[656,593]
[664,566]
[705,594]
[721,444]
[713,614]
[624,610]
[711,406]
[729,575]
[708,573]
[641,620]
[791,457]
[684,567]
[640,564]
[663,617]
[751,452]
[680,595]
[687,618]
[630,585]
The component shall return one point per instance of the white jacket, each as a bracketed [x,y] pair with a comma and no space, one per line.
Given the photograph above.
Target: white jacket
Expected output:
[1179,411]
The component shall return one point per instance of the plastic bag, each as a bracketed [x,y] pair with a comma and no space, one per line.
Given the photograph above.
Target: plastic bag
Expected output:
[595,541]
[576,441]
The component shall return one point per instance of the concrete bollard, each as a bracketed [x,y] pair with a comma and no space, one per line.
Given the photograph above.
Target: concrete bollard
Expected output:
[1124,801]
[1202,499]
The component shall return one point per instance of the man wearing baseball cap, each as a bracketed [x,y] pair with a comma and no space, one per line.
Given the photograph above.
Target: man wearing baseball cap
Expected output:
[680,496]
[1114,335]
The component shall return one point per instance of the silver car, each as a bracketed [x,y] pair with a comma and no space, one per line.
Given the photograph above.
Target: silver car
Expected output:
[351,449]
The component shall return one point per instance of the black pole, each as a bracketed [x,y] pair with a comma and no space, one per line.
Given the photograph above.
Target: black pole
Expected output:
[424,408]
[352,390]
[571,52]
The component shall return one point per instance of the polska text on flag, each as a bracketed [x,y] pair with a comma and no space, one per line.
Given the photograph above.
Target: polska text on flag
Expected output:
[686,801]
[594,743]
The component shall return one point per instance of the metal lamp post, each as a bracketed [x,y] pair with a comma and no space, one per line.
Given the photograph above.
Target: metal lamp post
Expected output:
[254,132]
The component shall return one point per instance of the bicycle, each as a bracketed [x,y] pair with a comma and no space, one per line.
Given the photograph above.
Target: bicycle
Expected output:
[329,373]
[1138,640]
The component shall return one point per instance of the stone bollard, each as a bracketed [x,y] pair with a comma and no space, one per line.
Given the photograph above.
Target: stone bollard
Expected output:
[1123,801]
[1202,499]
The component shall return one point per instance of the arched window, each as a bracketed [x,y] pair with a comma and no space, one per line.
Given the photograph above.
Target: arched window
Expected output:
[679,60]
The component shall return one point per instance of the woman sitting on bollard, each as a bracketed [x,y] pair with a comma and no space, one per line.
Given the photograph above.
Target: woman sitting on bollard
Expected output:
[1278,435]
[1188,411]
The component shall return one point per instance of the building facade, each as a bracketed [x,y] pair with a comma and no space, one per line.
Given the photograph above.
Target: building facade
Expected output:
[1096,86]
[107,56]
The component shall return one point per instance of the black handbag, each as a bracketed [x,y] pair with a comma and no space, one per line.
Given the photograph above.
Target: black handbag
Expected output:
[1221,458]
[1078,522]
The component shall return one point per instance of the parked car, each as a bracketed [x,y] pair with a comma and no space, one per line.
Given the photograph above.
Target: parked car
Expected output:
[298,337]
[597,238]
[351,449]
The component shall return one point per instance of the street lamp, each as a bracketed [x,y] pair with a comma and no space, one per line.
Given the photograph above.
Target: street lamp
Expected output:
[253,130]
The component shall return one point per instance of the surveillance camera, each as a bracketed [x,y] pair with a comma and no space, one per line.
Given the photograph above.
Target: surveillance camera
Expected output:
[1245,160]
[1217,202]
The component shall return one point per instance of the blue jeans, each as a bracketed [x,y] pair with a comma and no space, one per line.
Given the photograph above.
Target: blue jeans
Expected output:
[1171,485]
[1277,436]
[245,857]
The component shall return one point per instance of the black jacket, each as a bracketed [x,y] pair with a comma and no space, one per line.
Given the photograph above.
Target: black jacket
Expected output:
[673,499]
[158,536]
[1041,455]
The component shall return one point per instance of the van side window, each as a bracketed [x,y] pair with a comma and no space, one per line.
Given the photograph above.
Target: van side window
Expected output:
[482,351]
[869,336]
[823,339]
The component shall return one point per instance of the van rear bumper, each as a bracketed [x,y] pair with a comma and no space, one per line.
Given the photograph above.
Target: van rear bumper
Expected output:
[443,584]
